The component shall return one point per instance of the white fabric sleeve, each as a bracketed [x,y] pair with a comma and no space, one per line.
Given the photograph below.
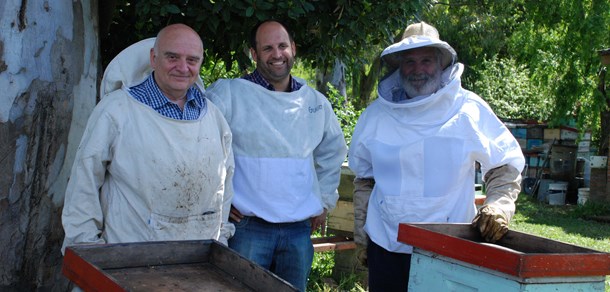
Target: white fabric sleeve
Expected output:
[501,146]
[227,229]
[359,157]
[82,216]
[328,157]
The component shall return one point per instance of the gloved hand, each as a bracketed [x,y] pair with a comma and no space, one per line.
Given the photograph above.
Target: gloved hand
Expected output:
[361,254]
[491,222]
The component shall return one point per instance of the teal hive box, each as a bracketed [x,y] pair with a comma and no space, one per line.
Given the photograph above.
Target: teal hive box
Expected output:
[453,257]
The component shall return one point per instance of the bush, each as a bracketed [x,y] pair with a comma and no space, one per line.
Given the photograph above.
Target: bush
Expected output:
[345,111]
[509,90]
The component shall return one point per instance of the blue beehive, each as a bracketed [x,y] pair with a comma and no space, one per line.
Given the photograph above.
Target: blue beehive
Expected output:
[453,257]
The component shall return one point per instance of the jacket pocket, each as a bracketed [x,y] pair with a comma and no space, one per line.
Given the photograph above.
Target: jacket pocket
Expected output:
[398,209]
[192,227]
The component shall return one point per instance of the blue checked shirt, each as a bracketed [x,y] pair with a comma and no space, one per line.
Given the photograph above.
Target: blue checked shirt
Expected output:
[149,93]
[257,78]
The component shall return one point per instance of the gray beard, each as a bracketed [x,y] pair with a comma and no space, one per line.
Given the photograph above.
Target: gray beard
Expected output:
[432,84]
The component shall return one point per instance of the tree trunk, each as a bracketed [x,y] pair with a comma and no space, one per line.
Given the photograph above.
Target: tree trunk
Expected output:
[49,56]
[604,114]
[366,84]
[336,78]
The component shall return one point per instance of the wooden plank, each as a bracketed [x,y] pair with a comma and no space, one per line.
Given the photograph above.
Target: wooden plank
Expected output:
[479,200]
[333,243]
[342,217]
[346,184]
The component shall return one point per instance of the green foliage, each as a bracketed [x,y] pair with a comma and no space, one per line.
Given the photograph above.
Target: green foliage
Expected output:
[304,71]
[352,31]
[508,89]
[556,40]
[345,111]
[214,69]
[321,274]
[323,30]
[321,269]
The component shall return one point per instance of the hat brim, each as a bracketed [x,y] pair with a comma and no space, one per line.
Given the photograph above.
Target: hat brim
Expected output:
[392,55]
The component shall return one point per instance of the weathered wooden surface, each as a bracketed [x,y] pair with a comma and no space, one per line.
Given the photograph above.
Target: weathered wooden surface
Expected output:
[342,218]
[517,254]
[188,277]
[346,184]
[169,265]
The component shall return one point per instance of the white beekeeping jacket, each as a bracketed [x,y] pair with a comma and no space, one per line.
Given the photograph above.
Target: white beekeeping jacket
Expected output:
[288,148]
[422,156]
[140,176]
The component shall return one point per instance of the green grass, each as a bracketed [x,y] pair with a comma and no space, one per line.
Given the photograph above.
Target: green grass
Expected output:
[569,224]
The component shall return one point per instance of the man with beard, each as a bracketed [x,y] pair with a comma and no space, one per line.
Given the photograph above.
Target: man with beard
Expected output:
[414,151]
[288,148]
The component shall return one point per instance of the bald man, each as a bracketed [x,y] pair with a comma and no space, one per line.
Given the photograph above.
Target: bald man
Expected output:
[155,161]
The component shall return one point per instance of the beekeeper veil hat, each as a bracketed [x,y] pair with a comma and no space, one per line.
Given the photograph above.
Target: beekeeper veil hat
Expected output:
[418,35]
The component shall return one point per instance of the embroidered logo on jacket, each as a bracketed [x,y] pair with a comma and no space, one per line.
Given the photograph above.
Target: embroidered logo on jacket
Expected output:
[315,109]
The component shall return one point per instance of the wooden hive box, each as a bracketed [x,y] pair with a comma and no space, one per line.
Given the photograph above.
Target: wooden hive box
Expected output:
[454,255]
[199,265]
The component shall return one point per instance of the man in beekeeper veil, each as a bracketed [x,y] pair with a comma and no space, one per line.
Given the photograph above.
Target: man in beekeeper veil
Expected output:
[414,151]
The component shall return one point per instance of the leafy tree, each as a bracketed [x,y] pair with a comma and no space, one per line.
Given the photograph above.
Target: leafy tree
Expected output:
[555,41]
[507,88]
[350,33]
[324,30]
[561,43]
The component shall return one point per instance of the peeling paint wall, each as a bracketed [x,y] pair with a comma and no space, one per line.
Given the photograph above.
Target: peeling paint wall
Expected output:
[49,55]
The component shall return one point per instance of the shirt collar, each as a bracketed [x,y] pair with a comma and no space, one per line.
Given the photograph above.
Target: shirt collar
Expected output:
[257,78]
[157,99]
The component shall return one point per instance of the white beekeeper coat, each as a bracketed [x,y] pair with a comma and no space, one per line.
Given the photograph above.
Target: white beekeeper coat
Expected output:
[422,154]
[140,176]
[288,148]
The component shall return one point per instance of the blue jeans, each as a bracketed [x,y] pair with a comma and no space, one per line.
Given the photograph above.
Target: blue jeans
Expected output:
[283,248]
